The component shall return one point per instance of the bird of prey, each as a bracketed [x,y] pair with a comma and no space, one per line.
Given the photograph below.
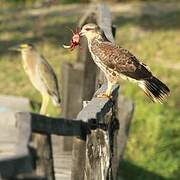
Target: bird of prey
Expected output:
[117,62]
[41,75]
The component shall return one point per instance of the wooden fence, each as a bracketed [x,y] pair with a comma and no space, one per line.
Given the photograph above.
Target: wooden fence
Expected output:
[97,128]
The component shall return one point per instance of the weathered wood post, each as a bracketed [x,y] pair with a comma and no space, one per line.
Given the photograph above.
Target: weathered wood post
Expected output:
[72,91]
[94,155]
[44,157]
[42,145]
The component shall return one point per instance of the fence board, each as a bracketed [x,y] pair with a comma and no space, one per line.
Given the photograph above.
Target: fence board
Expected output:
[21,160]
[104,21]
[72,83]
[62,159]
[48,125]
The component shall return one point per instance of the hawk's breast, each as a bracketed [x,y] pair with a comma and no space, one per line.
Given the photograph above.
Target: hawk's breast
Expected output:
[119,61]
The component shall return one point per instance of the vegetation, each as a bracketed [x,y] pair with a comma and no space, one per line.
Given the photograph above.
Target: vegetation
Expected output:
[154,139]
[151,32]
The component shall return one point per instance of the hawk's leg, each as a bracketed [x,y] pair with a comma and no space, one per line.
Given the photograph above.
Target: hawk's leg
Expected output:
[107,93]
[45,101]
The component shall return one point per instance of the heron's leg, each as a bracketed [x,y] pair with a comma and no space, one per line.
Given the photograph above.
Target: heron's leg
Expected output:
[45,101]
[107,93]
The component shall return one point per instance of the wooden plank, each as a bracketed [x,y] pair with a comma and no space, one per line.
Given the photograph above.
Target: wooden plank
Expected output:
[14,165]
[62,164]
[48,125]
[62,159]
[24,134]
[44,157]
[41,143]
[7,119]
[14,103]
[21,161]
[104,21]
[72,81]
[72,90]
[8,140]
[78,159]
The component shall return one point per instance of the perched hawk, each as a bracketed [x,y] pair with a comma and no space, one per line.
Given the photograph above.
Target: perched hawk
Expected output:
[117,62]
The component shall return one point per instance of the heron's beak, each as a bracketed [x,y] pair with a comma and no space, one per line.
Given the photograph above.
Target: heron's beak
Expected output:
[15,48]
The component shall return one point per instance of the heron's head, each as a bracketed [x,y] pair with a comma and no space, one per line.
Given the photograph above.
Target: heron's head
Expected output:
[90,31]
[23,48]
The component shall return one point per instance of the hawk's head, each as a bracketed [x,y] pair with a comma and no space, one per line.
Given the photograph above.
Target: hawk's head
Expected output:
[90,31]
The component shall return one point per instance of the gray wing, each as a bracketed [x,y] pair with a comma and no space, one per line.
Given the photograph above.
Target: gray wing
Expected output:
[121,60]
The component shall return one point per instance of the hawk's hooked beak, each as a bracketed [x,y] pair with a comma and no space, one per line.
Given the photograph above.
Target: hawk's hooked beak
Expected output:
[81,33]
[15,48]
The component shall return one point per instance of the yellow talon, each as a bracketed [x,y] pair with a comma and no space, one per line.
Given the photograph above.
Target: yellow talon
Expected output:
[104,95]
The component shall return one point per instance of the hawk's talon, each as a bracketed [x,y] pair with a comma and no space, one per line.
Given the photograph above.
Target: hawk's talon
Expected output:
[104,95]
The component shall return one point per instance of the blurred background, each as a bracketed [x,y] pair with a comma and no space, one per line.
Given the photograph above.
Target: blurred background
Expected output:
[149,29]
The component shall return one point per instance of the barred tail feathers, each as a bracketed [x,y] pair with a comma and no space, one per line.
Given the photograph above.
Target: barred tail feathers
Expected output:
[154,89]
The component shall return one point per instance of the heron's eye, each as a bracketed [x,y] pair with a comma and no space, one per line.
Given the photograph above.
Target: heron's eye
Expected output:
[88,29]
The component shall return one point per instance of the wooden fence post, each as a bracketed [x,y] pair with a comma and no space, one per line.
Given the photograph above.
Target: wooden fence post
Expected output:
[43,147]
[72,80]
[94,156]
[44,159]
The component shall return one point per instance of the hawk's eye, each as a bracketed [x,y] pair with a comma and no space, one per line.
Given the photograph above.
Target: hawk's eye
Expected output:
[88,29]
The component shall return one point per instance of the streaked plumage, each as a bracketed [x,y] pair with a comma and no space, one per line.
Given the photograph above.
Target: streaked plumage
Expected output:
[41,75]
[50,81]
[117,62]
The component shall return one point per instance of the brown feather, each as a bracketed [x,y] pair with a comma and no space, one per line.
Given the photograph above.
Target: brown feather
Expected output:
[119,60]
[122,62]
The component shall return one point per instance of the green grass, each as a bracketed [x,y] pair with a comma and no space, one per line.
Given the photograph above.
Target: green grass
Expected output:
[153,149]
[154,141]
[47,32]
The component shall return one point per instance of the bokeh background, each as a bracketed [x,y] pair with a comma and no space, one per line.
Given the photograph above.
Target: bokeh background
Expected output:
[149,29]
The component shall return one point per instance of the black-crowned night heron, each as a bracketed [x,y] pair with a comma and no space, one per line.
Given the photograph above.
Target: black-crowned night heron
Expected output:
[41,75]
[117,62]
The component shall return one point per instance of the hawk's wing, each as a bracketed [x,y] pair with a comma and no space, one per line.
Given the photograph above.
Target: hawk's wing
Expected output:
[121,60]
[49,78]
